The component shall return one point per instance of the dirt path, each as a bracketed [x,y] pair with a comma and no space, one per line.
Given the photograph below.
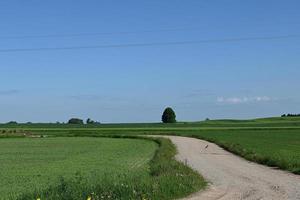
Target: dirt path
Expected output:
[232,177]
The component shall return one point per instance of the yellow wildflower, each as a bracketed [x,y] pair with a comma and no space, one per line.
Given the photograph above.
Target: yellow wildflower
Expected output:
[89,198]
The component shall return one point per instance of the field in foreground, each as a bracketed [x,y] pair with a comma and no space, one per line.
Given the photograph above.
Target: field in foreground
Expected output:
[103,168]
[31,163]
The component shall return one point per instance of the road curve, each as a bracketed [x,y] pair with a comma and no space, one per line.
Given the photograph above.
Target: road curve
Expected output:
[232,177]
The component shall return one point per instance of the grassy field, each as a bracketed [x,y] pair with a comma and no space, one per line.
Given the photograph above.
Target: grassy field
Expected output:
[276,147]
[28,164]
[270,141]
[79,167]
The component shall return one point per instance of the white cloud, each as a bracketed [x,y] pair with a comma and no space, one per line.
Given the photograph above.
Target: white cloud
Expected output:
[240,100]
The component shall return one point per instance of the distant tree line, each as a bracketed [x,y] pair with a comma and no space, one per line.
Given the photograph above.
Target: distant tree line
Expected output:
[80,121]
[71,121]
[12,123]
[290,115]
[168,116]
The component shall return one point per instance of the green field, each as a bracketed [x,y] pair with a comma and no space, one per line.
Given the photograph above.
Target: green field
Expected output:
[276,147]
[79,167]
[273,122]
[28,164]
[270,141]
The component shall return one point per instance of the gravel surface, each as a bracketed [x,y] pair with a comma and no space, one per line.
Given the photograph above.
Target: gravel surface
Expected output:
[231,177]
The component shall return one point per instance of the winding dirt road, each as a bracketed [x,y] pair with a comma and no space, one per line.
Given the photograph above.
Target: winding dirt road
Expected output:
[232,177]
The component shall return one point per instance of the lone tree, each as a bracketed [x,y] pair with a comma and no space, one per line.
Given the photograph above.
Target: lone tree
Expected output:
[75,121]
[169,116]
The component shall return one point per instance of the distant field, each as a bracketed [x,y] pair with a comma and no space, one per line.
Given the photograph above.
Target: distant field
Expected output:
[35,163]
[293,122]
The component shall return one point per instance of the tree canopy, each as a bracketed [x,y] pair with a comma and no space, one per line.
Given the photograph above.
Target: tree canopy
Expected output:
[169,116]
[75,121]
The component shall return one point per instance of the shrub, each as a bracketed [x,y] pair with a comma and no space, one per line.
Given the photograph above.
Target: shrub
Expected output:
[90,121]
[75,121]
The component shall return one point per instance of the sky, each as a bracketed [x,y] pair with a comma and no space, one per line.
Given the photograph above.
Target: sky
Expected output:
[214,78]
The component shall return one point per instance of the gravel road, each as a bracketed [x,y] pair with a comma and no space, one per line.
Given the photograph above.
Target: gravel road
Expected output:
[231,177]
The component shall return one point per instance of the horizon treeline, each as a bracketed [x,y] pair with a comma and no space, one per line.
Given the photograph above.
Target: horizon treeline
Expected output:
[290,115]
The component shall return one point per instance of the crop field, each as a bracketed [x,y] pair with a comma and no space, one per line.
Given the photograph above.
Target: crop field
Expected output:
[276,147]
[33,163]
[97,167]
[70,151]
[271,141]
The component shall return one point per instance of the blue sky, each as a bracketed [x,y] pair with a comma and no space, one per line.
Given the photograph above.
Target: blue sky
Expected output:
[241,79]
